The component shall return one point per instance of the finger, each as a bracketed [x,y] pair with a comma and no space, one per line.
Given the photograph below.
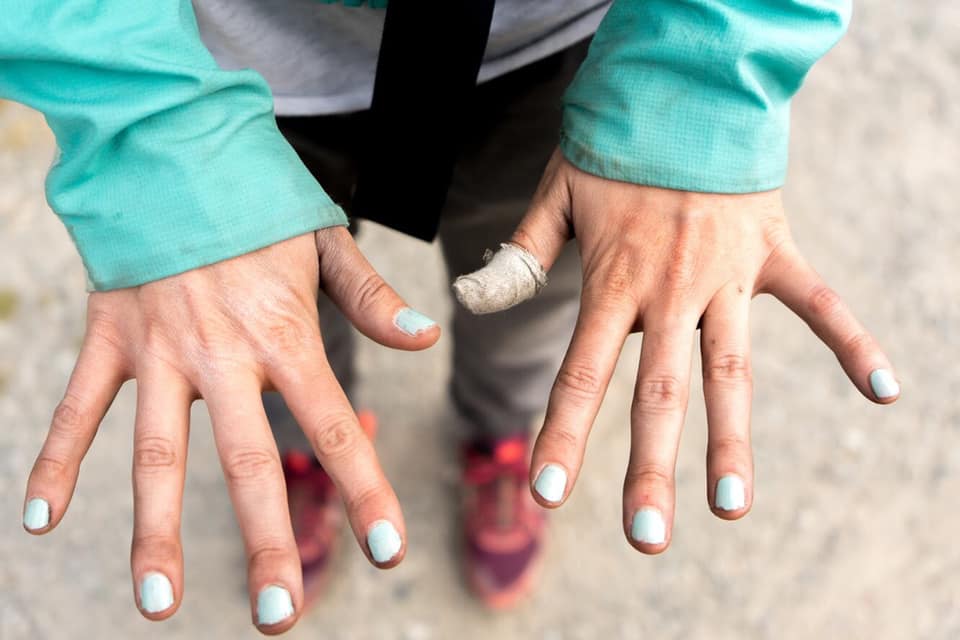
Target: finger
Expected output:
[159,465]
[659,407]
[727,390]
[602,327]
[363,296]
[517,272]
[251,466]
[96,378]
[794,282]
[347,454]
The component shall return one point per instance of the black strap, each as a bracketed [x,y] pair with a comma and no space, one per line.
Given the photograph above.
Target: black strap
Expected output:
[427,70]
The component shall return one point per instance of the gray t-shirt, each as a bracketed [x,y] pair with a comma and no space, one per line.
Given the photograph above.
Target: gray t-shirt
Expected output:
[321,58]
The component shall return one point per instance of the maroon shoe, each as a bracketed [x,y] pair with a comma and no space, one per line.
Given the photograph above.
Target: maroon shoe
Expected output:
[316,513]
[504,528]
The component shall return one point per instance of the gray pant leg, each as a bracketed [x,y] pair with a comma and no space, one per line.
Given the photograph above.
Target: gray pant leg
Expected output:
[504,364]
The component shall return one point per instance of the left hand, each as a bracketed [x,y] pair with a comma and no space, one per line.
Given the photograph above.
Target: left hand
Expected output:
[665,262]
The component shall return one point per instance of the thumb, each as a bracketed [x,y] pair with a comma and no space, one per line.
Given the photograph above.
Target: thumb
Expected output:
[517,271]
[370,304]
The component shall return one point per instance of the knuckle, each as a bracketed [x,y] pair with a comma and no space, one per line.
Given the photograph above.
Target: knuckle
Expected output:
[154,453]
[355,499]
[370,292]
[619,275]
[580,380]
[859,344]
[70,418]
[162,548]
[776,234]
[729,446]
[660,394]
[154,340]
[269,553]
[286,335]
[336,435]
[648,475]
[681,269]
[823,301]
[105,334]
[248,465]
[562,438]
[728,367]
[50,469]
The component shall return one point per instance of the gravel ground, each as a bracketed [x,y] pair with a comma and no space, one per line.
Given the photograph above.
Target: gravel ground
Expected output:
[855,527]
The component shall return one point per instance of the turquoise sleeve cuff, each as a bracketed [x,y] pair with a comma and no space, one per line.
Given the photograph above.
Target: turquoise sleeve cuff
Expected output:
[166,162]
[695,95]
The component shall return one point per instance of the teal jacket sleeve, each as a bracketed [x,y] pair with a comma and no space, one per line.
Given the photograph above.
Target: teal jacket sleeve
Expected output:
[165,161]
[695,94]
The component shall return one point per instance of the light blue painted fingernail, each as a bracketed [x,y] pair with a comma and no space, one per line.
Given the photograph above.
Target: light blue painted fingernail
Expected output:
[156,593]
[384,541]
[648,526]
[274,605]
[730,493]
[883,383]
[551,483]
[412,322]
[37,514]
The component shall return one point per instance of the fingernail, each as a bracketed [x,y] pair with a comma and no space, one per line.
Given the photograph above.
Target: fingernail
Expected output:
[412,322]
[383,541]
[551,483]
[274,605]
[648,526]
[730,494]
[883,383]
[37,514]
[156,593]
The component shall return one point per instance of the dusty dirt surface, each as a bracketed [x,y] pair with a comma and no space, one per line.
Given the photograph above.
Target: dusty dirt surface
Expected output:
[855,529]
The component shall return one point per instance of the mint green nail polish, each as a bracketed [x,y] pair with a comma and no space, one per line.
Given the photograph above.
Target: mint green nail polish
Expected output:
[551,483]
[731,494]
[412,322]
[156,593]
[383,541]
[648,526]
[883,383]
[37,514]
[274,605]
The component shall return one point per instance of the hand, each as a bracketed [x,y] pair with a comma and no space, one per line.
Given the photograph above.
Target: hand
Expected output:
[226,332]
[665,262]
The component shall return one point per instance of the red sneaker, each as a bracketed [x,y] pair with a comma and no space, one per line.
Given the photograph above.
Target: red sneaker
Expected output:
[316,513]
[503,527]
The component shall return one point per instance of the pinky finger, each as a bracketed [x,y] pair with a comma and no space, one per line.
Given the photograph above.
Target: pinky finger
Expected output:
[97,377]
[794,282]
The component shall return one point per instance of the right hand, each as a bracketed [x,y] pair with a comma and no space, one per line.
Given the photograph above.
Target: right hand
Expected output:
[227,332]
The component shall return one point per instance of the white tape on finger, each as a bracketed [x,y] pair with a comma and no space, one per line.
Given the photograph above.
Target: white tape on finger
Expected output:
[510,276]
